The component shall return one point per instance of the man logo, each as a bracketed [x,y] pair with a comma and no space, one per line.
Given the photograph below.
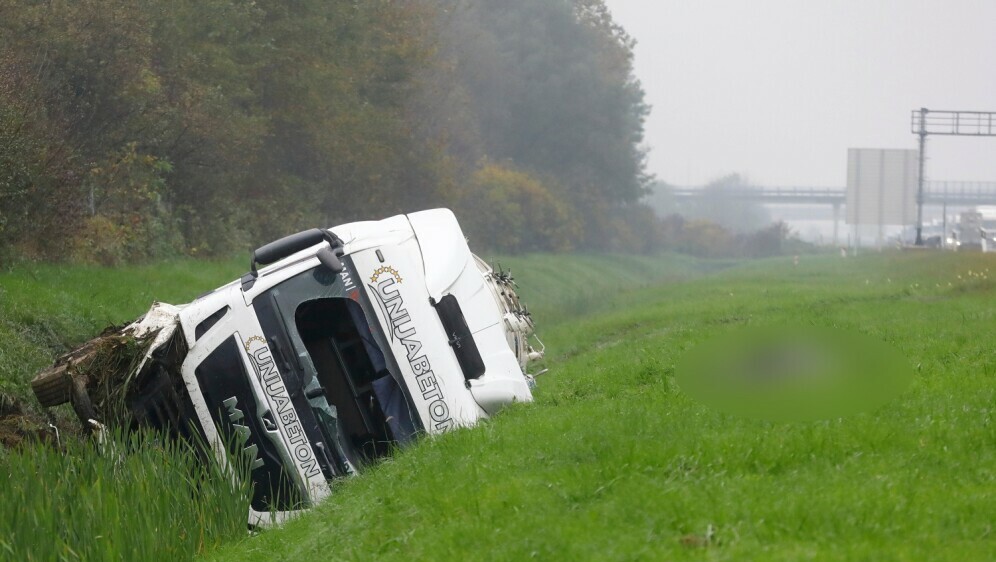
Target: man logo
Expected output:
[235,415]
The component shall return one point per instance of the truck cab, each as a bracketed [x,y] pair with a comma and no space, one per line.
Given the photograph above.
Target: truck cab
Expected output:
[339,346]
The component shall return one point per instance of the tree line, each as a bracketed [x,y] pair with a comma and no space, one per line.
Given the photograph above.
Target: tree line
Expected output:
[148,128]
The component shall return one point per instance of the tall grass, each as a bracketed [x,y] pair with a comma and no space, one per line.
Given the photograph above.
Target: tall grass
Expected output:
[135,497]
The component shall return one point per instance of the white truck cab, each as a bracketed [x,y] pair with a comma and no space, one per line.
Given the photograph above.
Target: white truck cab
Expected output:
[347,343]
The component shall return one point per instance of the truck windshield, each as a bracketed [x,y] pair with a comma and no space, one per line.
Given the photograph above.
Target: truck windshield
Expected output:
[345,376]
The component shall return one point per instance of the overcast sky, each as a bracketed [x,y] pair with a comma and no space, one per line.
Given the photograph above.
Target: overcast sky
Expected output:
[779,89]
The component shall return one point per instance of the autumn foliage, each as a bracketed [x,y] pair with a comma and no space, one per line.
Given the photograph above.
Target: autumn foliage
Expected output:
[143,129]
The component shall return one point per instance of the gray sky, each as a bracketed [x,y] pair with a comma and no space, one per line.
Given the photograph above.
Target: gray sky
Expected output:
[779,89]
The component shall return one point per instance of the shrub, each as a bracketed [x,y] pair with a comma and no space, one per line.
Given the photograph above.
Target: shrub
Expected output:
[512,211]
[127,220]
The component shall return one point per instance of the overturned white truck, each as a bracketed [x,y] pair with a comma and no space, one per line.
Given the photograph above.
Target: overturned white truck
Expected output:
[350,341]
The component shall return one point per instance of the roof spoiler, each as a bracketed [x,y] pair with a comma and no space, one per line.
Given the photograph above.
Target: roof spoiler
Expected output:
[288,245]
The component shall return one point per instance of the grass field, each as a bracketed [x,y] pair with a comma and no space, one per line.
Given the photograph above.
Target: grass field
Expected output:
[614,462]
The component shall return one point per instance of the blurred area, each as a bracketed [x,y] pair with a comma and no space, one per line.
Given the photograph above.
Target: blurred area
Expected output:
[793,373]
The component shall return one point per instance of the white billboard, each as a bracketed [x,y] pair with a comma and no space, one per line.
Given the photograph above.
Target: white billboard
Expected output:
[881,186]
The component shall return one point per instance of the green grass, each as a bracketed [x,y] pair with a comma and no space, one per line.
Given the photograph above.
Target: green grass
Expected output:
[614,462]
[130,498]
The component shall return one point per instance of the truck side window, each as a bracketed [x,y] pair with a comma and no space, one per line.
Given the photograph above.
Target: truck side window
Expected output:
[209,322]
[347,363]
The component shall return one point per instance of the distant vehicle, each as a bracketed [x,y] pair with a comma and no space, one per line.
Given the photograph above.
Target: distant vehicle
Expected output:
[989,239]
[932,235]
[350,342]
[968,232]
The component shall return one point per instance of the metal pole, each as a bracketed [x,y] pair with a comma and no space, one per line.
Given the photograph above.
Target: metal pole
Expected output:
[944,225]
[919,189]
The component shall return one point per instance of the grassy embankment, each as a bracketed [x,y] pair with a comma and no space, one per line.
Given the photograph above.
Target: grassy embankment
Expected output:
[613,462]
[89,506]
